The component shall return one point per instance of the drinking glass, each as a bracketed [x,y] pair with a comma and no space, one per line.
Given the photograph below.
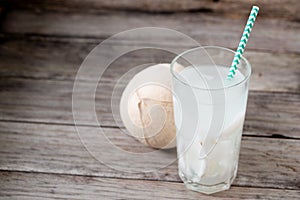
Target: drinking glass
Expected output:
[209,113]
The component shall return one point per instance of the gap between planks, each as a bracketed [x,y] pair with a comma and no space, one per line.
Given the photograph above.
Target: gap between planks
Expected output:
[122,178]
[272,136]
[94,41]
[288,9]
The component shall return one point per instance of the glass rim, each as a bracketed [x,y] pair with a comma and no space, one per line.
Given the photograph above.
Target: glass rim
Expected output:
[248,66]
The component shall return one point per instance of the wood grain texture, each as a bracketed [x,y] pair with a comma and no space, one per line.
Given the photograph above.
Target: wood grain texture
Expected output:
[50,101]
[57,149]
[42,44]
[60,60]
[52,186]
[275,8]
[208,29]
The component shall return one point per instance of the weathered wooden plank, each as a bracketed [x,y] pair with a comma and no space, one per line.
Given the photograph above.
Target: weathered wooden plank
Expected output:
[264,162]
[50,186]
[267,113]
[60,60]
[51,102]
[275,8]
[207,29]
[42,59]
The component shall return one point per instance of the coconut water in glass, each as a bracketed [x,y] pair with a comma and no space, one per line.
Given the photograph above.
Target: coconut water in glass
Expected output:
[209,112]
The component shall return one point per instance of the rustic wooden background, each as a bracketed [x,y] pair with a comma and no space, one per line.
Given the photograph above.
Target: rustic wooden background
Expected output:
[42,44]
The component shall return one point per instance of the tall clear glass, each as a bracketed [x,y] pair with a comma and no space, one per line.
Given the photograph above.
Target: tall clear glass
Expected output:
[209,113]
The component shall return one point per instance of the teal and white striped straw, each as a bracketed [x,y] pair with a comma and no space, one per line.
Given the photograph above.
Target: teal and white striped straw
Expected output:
[243,42]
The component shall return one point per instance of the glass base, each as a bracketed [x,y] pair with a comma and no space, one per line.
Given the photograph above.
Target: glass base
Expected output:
[207,189]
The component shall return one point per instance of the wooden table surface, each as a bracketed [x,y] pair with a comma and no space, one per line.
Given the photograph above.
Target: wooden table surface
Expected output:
[43,43]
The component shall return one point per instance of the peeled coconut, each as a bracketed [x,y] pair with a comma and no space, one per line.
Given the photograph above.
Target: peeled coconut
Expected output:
[146,107]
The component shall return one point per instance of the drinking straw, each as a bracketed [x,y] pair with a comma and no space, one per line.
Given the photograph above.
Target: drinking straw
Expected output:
[243,42]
